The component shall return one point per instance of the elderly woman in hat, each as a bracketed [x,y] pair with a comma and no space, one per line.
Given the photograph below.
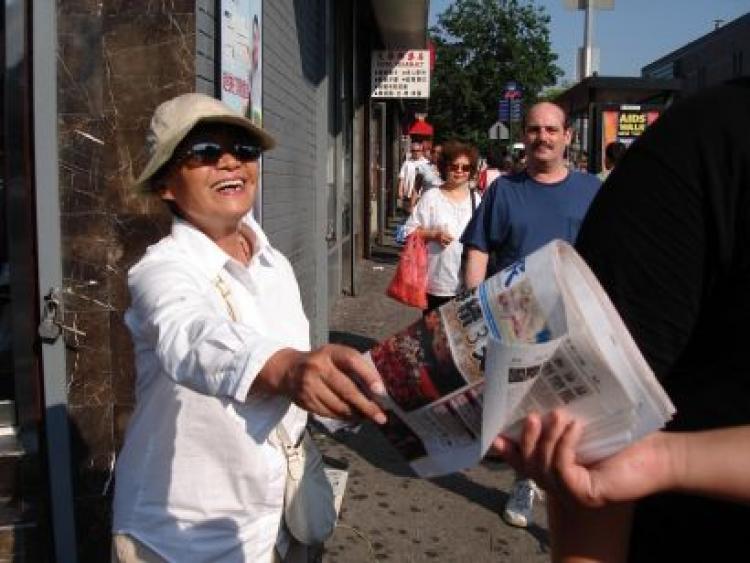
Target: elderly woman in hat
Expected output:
[222,356]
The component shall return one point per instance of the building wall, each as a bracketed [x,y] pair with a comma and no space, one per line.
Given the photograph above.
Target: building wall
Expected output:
[116,62]
[206,32]
[717,56]
[294,94]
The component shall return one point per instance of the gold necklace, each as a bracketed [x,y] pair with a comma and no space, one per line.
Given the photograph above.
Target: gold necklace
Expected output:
[245,250]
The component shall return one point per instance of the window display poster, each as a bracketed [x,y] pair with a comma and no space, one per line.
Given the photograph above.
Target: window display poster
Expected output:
[625,124]
[241,57]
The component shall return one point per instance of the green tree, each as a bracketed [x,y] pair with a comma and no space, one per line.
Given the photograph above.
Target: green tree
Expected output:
[480,45]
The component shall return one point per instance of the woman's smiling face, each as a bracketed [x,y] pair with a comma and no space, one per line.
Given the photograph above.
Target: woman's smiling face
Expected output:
[213,178]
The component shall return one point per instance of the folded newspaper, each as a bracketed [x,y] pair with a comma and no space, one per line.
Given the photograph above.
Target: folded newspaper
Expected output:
[538,335]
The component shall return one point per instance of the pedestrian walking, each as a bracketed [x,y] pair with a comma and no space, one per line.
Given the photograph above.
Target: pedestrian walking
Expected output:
[613,153]
[521,213]
[494,168]
[440,217]
[408,173]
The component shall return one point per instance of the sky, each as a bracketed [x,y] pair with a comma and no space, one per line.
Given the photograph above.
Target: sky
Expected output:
[634,34]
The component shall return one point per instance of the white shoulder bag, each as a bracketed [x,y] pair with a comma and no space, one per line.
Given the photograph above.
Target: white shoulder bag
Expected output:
[309,502]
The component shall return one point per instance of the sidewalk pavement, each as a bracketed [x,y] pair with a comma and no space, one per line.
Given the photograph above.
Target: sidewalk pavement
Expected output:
[388,514]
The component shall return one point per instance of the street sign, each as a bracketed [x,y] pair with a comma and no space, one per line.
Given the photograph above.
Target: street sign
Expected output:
[503,110]
[498,131]
[509,107]
[512,91]
[515,110]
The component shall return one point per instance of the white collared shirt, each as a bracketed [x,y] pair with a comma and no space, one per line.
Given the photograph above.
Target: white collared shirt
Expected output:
[201,474]
[435,210]
[408,173]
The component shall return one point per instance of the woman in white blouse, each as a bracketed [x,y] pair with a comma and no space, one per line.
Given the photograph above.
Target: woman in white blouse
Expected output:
[222,356]
[441,216]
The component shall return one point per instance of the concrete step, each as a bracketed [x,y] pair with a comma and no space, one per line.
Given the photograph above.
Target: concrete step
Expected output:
[20,483]
[7,413]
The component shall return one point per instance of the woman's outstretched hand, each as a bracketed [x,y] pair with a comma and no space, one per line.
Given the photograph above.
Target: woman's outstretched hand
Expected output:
[333,381]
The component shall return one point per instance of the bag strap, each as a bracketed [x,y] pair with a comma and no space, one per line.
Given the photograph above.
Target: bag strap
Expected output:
[291,451]
[226,295]
[472,195]
[284,437]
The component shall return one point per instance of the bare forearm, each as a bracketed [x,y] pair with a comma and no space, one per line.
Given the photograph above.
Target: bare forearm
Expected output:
[273,377]
[582,535]
[476,268]
[428,234]
[714,463]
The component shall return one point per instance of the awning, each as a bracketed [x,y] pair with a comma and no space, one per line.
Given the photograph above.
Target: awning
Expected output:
[421,127]
[402,25]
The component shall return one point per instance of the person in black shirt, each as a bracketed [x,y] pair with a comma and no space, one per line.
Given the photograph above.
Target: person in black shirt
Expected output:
[668,237]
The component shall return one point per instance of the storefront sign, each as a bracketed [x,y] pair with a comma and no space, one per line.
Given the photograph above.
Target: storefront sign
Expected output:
[401,73]
[241,57]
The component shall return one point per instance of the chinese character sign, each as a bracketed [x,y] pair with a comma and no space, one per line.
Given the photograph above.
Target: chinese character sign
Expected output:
[241,57]
[401,73]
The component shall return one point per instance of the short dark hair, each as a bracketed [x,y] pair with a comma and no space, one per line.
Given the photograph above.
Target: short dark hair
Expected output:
[614,151]
[452,150]
[495,156]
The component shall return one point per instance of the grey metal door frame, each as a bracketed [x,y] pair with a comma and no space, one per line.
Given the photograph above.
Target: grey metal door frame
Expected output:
[33,102]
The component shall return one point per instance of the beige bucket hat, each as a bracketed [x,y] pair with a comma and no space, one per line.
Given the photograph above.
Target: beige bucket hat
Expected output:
[175,118]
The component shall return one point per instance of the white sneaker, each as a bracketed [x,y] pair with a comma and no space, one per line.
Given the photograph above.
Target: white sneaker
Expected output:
[520,503]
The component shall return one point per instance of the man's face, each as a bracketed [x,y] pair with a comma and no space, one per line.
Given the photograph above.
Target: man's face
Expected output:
[545,136]
[416,151]
[437,150]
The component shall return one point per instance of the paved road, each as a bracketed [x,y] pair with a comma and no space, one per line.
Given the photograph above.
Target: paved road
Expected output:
[390,515]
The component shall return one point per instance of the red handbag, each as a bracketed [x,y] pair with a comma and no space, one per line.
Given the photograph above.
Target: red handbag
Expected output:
[409,283]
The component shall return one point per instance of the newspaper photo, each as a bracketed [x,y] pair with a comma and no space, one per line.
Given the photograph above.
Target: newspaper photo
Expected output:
[539,335]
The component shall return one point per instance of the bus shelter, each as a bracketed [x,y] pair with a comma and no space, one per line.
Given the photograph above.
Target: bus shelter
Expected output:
[603,109]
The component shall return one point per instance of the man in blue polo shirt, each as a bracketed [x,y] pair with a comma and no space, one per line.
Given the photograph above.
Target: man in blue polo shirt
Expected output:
[522,212]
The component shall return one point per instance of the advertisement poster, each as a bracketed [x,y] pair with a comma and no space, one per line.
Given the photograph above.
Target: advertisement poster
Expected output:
[625,124]
[241,57]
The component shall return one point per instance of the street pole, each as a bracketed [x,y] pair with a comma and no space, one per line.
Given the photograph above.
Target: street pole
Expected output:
[588,39]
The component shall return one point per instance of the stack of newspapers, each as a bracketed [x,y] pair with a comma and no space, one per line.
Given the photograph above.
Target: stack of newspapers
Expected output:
[539,335]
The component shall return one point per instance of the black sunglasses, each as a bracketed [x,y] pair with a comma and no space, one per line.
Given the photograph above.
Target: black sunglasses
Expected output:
[209,152]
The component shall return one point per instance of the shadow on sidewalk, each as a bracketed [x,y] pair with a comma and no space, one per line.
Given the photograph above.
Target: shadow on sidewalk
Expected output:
[490,498]
[370,445]
[358,341]
[384,255]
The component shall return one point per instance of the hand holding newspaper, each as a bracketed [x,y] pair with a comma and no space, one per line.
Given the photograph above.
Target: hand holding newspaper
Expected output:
[538,335]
